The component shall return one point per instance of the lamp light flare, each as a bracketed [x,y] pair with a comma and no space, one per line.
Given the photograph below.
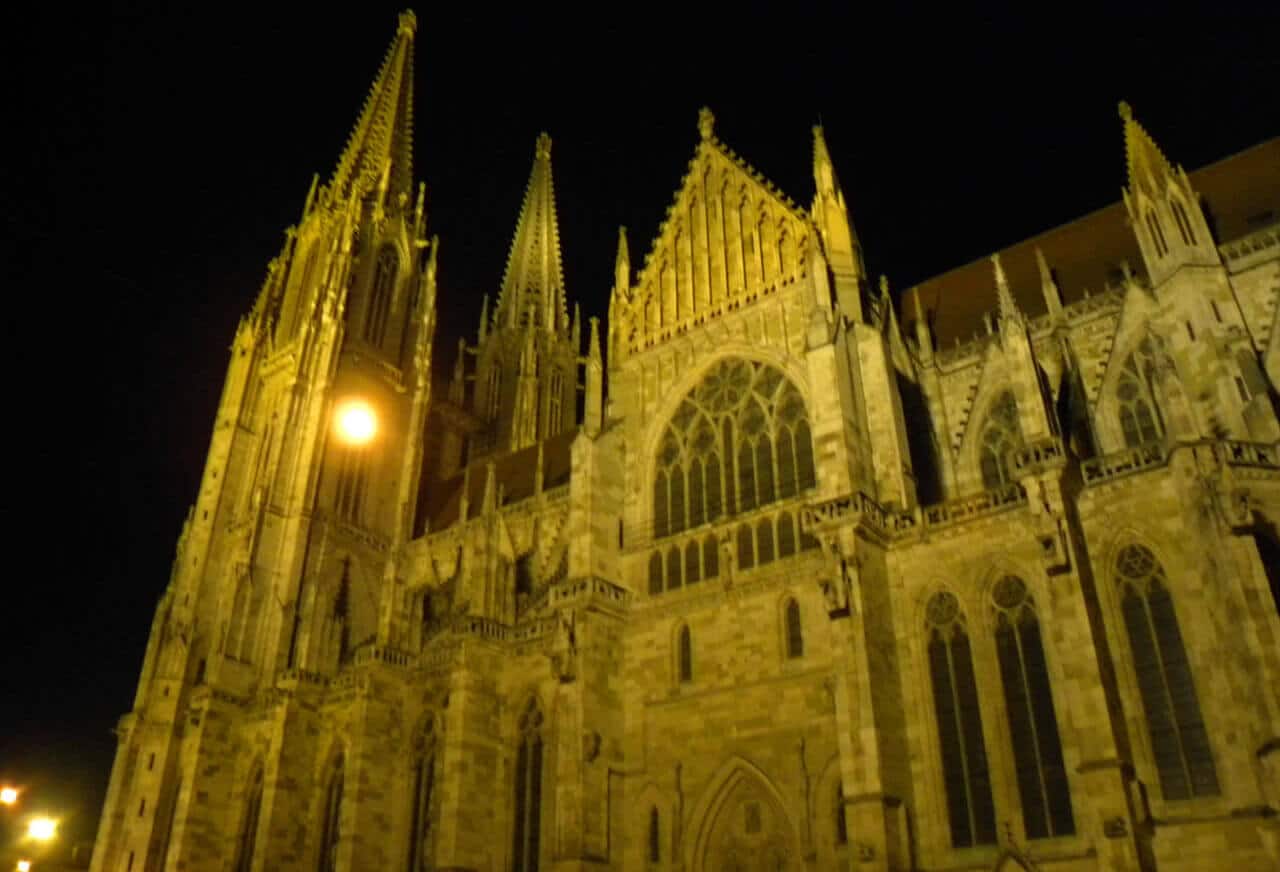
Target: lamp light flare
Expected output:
[24,866]
[8,795]
[356,422]
[42,829]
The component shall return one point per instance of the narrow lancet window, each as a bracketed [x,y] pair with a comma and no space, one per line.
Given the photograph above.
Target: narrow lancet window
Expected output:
[1175,726]
[249,826]
[655,840]
[331,822]
[1033,725]
[384,282]
[970,809]
[684,655]
[795,633]
[528,799]
[420,802]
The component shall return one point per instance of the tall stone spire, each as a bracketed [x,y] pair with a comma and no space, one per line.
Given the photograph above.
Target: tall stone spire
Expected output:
[379,154]
[533,285]
[1147,166]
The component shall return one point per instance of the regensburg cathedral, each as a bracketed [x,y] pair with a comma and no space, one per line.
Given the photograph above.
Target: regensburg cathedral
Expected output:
[769,574]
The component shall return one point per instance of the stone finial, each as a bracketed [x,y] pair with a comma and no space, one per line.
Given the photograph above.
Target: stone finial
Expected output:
[1008,308]
[1049,287]
[542,148]
[706,123]
[1126,111]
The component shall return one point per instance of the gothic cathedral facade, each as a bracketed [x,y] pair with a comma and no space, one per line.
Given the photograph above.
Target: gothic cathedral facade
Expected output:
[811,585]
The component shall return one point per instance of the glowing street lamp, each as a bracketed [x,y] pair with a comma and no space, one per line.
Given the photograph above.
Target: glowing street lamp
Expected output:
[42,829]
[8,795]
[355,422]
[24,866]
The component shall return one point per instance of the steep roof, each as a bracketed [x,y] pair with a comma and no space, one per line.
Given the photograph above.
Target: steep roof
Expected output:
[513,473]
[1087,253]
[533,284]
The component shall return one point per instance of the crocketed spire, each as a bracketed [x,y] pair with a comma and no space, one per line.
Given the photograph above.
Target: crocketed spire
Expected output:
[533,285]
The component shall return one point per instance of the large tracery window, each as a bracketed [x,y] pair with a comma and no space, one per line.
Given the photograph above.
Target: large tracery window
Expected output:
[1138,410]
[1001,435]
[1033,725]
[739,440]
[970,809]
[1179,740]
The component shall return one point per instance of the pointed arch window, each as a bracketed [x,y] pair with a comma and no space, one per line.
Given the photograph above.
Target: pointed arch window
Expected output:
[1175,726]
[493,391]
[1184,223]
[1157,233]
[353,475]
[684,655]
[1033,725]
[1001,436]
[384,283]
[528,788]
[739,440]
[331,818]
[1140,419]
[970,809]
[423,785]
[554,403]
[249,826]
[794,630]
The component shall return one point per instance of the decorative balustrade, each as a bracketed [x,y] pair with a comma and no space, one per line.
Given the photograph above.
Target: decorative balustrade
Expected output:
[1044,454]
[303,676]
[1112,296]
[1121,463]
[1259,455]
[381,654]
[854,509]
[1247,246]
[988,502]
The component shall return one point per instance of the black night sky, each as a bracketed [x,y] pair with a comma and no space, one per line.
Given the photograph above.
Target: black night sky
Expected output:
[166,151]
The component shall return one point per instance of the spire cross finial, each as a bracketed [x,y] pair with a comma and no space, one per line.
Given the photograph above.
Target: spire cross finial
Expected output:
[1126,111]
[706,123]
[542,148]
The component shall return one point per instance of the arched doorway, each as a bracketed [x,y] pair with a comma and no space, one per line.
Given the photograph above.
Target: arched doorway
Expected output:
[744,827]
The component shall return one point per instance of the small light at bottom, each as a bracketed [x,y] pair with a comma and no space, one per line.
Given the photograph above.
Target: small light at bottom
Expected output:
[24,866]
[8,795]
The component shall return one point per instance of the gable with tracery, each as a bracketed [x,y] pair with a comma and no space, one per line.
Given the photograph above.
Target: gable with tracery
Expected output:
[729,238]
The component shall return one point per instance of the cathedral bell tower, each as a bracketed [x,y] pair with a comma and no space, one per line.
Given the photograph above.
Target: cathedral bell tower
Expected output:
[311,476]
